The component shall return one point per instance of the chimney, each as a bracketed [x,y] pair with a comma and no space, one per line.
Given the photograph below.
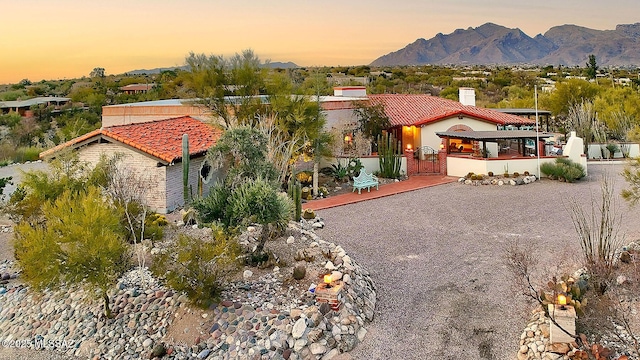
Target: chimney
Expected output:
[467,96]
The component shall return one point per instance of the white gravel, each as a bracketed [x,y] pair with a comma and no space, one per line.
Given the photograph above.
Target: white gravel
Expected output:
[436,257]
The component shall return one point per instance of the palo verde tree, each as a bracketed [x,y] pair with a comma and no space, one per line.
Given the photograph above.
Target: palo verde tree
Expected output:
[79,241]
[229,87]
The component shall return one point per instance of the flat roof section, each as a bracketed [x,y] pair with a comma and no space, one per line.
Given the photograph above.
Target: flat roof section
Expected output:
[494,135]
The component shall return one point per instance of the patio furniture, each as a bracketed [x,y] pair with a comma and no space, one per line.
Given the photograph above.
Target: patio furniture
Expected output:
[364,180]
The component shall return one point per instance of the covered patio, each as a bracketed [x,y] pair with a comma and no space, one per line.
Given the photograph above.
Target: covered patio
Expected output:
[494,144]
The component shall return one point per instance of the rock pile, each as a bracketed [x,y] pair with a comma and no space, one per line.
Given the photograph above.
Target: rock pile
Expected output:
[535,343]
[521,180]
[259,318]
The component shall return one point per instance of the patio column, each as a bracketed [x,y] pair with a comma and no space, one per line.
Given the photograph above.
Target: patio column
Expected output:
[442,159]
[412,165]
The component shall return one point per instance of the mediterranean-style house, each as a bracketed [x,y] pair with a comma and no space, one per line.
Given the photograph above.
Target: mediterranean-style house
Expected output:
[153,149]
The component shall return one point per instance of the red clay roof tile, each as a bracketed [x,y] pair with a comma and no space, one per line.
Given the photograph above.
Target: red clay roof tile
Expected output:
[161,139]
[409,109]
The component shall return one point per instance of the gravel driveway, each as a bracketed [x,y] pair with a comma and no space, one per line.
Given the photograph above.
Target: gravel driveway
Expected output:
[436,256]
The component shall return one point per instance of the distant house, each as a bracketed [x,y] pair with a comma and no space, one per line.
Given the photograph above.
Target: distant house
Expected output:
[137,88]
[23,107]
[153,149]
[123,114]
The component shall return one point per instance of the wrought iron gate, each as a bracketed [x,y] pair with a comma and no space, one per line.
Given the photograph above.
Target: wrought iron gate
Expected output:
[427,160]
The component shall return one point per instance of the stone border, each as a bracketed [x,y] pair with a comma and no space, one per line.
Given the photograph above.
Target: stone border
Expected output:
[521,180]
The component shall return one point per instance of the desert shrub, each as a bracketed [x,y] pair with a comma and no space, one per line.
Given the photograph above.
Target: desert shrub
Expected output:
[597,229]
[516,174]
[526,173]
[339,172]
[80,240]
[354,165]
[563,169]
[469,175]
[26,154]
[490,173]
[473,177]
[305,177]
[197,266]
[154,226]
[67,173]
[479,177]
[213,207]
[257,201]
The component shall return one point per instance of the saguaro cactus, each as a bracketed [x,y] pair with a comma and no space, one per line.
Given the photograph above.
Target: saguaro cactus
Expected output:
[295,191]
[185,167]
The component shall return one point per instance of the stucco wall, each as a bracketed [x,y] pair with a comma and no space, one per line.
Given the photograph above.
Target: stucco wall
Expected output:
[370,163]
[123,115]
[595,151]
[461,166]
[156,176]
[428,132]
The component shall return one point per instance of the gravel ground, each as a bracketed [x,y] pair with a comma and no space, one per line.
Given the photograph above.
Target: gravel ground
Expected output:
[436,257]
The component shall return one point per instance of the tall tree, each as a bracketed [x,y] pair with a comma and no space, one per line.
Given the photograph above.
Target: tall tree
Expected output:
[582,119]
[372,120]
[592,67]
[97,72]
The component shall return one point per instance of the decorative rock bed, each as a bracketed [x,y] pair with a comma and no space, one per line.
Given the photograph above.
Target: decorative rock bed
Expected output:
[499,181]
[260,318]
[535,341]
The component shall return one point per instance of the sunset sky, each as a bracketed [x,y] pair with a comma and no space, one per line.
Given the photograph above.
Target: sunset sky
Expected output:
[43,39]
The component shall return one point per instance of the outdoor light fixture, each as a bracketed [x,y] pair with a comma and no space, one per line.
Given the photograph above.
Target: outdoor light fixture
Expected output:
[327,279]
[409,146]
[441,146]
[562,301]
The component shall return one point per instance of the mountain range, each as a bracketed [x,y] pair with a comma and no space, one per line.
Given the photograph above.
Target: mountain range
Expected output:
[495,44]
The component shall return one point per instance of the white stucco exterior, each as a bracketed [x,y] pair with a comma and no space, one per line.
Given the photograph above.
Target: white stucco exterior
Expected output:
[428,135]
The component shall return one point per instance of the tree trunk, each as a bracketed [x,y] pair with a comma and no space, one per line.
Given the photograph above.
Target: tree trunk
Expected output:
[107,309]
[315,178]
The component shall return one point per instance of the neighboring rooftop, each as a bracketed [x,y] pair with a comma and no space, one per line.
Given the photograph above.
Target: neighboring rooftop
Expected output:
[161,139]
[34,101]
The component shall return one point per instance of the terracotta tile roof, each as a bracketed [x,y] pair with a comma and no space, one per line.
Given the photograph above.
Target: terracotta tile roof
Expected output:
[408,109]
[161,139]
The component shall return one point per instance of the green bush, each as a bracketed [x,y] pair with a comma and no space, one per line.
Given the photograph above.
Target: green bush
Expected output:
[563,169]
[353,167]
[27,154]
[255,201]
[199,267]
[67,173]
[79,241]
[213,207]
[339,172]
